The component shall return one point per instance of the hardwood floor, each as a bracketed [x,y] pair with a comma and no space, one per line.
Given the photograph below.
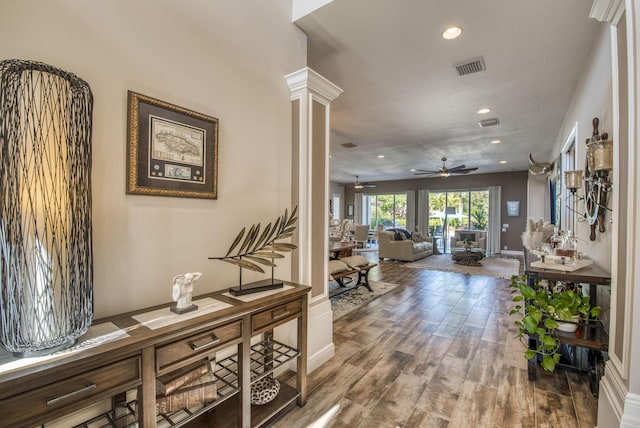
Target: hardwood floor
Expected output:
[437,351]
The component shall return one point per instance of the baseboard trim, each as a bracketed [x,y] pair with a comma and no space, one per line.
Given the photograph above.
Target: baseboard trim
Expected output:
[512,252]
[320,357]
[631,414]
[611,398]
[320,346]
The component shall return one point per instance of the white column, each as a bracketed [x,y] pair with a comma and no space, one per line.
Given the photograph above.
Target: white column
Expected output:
[311,95]
[619,398]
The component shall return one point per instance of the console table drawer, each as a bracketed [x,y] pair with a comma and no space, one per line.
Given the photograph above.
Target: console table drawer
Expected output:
[173,355]
[270,318]
[72,393]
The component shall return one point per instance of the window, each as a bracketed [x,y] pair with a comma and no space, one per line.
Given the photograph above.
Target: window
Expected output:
[388,210]
[568,164]
[334,207]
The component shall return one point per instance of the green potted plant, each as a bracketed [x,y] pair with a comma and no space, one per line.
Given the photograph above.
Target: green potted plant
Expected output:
[542,311]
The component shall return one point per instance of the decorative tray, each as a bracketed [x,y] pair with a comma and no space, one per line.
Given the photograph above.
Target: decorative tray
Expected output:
[548,261]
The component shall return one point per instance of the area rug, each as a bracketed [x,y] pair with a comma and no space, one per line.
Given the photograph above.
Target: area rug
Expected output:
[345,300]
[491,266]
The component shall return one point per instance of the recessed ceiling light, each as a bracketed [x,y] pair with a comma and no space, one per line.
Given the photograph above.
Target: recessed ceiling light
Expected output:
[451,33]
[496,142]
[380,156]
[484,110]
[503,161]
[412,170]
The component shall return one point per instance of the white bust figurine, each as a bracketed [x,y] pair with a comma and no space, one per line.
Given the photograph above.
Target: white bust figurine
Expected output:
[182,291]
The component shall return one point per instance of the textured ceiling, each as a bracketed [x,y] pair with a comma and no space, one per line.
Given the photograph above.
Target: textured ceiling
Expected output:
[402,98]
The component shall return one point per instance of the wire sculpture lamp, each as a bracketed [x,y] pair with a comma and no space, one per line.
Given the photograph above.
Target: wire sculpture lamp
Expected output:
[46,262]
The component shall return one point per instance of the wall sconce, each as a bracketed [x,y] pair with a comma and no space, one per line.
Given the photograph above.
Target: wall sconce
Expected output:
[45,208]
[596,180]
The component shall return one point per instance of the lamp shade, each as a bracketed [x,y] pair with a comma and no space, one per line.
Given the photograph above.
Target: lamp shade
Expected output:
[603,156]
[45,205]
[573,179]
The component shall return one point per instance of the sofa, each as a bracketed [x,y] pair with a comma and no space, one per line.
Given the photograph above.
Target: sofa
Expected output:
[477,238]
[397,244]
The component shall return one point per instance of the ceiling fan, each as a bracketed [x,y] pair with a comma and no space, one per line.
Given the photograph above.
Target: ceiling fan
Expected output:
[444,171]
[358,185]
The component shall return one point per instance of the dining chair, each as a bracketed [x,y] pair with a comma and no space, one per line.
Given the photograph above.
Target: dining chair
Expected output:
[361,234]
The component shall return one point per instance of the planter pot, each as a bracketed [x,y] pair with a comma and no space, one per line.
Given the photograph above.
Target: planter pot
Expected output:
[569,327]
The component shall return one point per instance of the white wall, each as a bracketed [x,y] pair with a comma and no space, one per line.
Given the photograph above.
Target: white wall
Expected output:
[592,98]
[226,59]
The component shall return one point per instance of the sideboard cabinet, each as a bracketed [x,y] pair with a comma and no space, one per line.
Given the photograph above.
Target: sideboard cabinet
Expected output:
[121,358]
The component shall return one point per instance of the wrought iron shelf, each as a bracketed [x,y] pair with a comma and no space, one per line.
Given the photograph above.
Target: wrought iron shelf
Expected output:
[266,356]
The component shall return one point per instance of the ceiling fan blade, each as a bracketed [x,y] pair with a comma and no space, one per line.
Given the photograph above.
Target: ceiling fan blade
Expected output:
[462,171]
[456,168]
[369,185]
[426,171]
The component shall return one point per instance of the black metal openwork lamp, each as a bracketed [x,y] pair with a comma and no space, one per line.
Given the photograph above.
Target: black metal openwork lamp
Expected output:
[46,263]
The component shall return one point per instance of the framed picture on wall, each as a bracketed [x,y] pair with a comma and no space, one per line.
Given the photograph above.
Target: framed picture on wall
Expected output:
[513,208]
[350,210]
[172,151]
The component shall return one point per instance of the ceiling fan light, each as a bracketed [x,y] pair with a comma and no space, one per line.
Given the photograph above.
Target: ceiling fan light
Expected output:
[358,186]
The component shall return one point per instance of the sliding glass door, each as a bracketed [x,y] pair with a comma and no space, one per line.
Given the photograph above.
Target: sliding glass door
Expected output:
[451,211]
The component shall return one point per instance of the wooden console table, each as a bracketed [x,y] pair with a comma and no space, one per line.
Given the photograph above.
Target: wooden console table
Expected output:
[591,336]
[124,366]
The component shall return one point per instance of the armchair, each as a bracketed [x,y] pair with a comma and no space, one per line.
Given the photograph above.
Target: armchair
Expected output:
[477,238]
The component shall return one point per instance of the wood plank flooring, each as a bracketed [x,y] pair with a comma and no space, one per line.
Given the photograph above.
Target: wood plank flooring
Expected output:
[437,351]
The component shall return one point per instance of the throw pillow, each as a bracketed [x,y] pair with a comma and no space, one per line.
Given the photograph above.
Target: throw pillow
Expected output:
[416,237]
[355,261]
[337,266]
[467,236]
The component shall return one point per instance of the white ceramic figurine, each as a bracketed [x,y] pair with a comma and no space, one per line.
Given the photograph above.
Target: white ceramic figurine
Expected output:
[182,291]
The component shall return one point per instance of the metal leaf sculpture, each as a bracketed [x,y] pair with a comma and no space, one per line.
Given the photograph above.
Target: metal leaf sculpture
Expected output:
[255,248]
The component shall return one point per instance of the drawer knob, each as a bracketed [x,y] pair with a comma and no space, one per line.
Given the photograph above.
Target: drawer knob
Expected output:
[56,400]
[214,340]
[282,314]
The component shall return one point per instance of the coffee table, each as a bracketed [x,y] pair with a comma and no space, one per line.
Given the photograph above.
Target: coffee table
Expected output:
[467,256]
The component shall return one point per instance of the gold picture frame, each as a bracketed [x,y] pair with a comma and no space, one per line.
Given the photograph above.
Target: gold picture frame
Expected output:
[172,151]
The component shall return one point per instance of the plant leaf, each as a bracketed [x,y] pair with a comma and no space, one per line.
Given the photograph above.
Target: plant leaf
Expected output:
[530,324]
[269,254]
[548,363]
[247,239]
[549,342]
[236,241]
[254,236]
[529,354]
[281,246]
[244,264]
[285,235]
[274,231]
[550,323]
[264,235]
[261,260]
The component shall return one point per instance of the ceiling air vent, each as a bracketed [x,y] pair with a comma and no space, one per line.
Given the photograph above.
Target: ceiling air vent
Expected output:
[469,67]
[349,145]
[488,122]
